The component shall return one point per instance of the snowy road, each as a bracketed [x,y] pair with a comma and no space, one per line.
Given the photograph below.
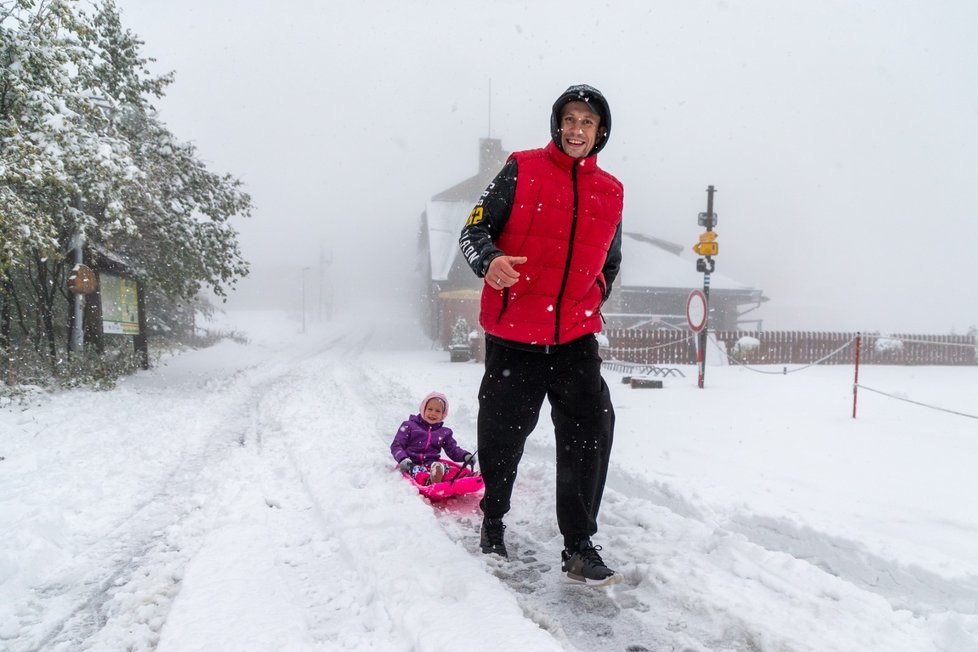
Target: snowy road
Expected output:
[242,498]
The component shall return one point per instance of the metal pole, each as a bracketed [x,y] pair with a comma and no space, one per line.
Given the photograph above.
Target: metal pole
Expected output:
[703,338]
[78,327]
[855,382]
[304,270]
[706,290]
[319,286]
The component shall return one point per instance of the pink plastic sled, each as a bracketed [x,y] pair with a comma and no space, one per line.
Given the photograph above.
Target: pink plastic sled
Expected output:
[455,482]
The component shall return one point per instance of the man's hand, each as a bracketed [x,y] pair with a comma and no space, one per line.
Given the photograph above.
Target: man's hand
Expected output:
[502,271]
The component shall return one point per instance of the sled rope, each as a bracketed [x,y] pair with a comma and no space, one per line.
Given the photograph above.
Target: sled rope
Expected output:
[470,464]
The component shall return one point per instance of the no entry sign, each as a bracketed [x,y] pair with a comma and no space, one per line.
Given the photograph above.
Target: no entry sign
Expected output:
[696,311]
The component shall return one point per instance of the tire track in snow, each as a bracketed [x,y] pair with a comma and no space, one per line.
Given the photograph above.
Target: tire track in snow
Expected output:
[119,554]
[137,556]
[314,558]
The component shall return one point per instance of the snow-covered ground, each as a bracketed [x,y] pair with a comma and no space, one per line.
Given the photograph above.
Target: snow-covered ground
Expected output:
[243,498]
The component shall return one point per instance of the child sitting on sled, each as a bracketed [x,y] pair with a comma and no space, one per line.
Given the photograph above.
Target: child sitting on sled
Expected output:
[418,443]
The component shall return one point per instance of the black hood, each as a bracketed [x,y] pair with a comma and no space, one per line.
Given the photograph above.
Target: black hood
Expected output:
[597,103]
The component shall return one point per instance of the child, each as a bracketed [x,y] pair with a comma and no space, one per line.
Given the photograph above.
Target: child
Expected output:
[418,442]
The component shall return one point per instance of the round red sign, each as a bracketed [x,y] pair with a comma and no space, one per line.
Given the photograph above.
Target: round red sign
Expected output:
[696,311]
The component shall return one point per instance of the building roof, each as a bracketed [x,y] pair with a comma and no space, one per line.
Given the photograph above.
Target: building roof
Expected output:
[445,222]
[447,211]
[646,263]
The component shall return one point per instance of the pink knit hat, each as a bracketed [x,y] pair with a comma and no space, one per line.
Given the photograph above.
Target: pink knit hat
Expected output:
[441,397]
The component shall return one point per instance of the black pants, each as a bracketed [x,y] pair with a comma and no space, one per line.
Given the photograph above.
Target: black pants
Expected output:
[512,392]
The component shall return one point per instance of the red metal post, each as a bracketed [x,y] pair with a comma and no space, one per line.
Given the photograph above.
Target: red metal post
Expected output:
[700,360]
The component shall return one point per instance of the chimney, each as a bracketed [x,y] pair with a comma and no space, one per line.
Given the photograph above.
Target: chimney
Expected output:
[491,156]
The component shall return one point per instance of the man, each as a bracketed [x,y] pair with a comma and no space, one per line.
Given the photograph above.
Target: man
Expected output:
[546,236]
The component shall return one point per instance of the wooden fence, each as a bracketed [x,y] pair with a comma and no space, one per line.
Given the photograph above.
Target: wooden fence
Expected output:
[663,347]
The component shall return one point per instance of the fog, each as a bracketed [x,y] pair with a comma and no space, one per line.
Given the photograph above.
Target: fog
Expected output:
[842,137]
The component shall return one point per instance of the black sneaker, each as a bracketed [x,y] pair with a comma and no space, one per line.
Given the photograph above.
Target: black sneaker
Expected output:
[491,537]
[583,564]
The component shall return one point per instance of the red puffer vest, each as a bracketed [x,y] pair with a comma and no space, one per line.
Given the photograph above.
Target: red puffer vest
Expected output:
[564,217]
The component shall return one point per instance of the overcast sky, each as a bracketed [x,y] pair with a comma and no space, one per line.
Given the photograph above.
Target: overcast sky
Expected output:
[842,136]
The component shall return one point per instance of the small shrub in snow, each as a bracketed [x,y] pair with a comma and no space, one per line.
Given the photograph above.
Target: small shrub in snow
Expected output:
[886,345]
[459,341]
[460,333]
[746,347]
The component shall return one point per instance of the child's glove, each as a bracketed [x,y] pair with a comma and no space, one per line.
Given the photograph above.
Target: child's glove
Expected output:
[405,465]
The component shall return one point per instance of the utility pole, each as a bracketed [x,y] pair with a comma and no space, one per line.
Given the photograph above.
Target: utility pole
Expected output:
[319,287]
[78,324]
[708,248]
[304,270]
[325,302]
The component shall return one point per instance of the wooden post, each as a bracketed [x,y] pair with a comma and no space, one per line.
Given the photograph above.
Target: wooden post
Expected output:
[93,319]
[140,341]
[6,342]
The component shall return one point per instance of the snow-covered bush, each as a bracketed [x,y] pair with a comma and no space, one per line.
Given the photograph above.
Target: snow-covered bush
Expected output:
[460,333]
[888,346]
[459,346]
[746,348]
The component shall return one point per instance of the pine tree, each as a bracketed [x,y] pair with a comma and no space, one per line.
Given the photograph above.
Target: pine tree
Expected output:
[460,333]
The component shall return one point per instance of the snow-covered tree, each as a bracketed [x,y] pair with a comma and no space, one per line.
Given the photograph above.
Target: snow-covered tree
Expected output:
[32,81]
[37,52]
[84,156]
[169,215]
[460,333]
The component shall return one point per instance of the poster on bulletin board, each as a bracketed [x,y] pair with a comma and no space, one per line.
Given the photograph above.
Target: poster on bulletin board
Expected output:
[120,307]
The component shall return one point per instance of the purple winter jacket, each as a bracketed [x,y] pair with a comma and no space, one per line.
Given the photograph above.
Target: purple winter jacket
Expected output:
[423,442]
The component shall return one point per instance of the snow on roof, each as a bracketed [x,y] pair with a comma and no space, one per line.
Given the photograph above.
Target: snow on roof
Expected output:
[445,222]
[646,265]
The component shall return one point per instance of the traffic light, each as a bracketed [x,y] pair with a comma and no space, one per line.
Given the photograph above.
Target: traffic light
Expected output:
[707,246]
